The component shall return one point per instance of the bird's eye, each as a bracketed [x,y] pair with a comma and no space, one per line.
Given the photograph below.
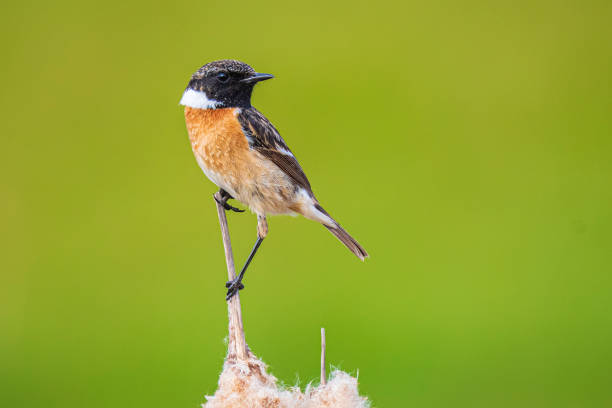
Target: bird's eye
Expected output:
[222,77]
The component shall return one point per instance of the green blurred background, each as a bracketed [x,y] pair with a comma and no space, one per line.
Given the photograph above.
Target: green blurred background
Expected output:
[466,145]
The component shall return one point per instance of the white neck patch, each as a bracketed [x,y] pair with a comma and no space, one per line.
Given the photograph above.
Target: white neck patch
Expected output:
[198,99]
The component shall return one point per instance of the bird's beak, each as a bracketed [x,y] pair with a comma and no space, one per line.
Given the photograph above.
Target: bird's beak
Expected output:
[256,78]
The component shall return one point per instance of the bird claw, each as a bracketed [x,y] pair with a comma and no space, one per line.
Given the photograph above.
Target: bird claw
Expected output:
[232,288]
[230,283]
[228,207]
[234,209]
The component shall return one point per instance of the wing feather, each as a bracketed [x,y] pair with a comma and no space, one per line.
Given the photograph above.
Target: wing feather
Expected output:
[264,138]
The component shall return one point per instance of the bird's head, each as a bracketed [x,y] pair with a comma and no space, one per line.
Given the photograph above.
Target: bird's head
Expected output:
[222,84]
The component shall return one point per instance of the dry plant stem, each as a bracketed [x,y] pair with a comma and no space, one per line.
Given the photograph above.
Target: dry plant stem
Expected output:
[237,347]
[323,376]
[245,382]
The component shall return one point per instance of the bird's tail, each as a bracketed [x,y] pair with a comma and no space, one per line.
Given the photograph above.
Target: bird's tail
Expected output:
[347,240]
[328,222]
[314,211]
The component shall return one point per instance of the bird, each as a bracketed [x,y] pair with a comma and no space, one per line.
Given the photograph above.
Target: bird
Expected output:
[241,152]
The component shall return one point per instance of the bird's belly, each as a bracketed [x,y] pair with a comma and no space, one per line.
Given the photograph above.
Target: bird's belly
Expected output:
[212,175]
[221,165]
[248,177]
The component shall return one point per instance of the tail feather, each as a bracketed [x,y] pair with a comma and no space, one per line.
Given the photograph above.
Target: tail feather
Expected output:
[347,240]
[314,211]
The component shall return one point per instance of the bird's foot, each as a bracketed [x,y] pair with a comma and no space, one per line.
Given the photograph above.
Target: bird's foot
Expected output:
[225,205]
[233,287]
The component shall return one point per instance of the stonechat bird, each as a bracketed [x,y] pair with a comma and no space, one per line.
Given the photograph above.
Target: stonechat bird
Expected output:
[244,155]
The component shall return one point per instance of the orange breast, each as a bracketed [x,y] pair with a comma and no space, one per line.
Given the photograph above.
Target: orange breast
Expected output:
[223,153]
[216,138]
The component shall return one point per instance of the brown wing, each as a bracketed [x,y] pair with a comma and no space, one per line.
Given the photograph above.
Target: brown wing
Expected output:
[289,165]
[263,137]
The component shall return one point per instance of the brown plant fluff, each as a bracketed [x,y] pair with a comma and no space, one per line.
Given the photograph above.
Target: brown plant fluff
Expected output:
[248,385]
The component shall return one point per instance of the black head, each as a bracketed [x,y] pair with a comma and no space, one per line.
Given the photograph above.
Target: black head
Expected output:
[222,84]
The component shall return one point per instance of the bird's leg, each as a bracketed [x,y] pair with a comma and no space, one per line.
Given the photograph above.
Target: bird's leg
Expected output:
[224,197]
[235,285]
